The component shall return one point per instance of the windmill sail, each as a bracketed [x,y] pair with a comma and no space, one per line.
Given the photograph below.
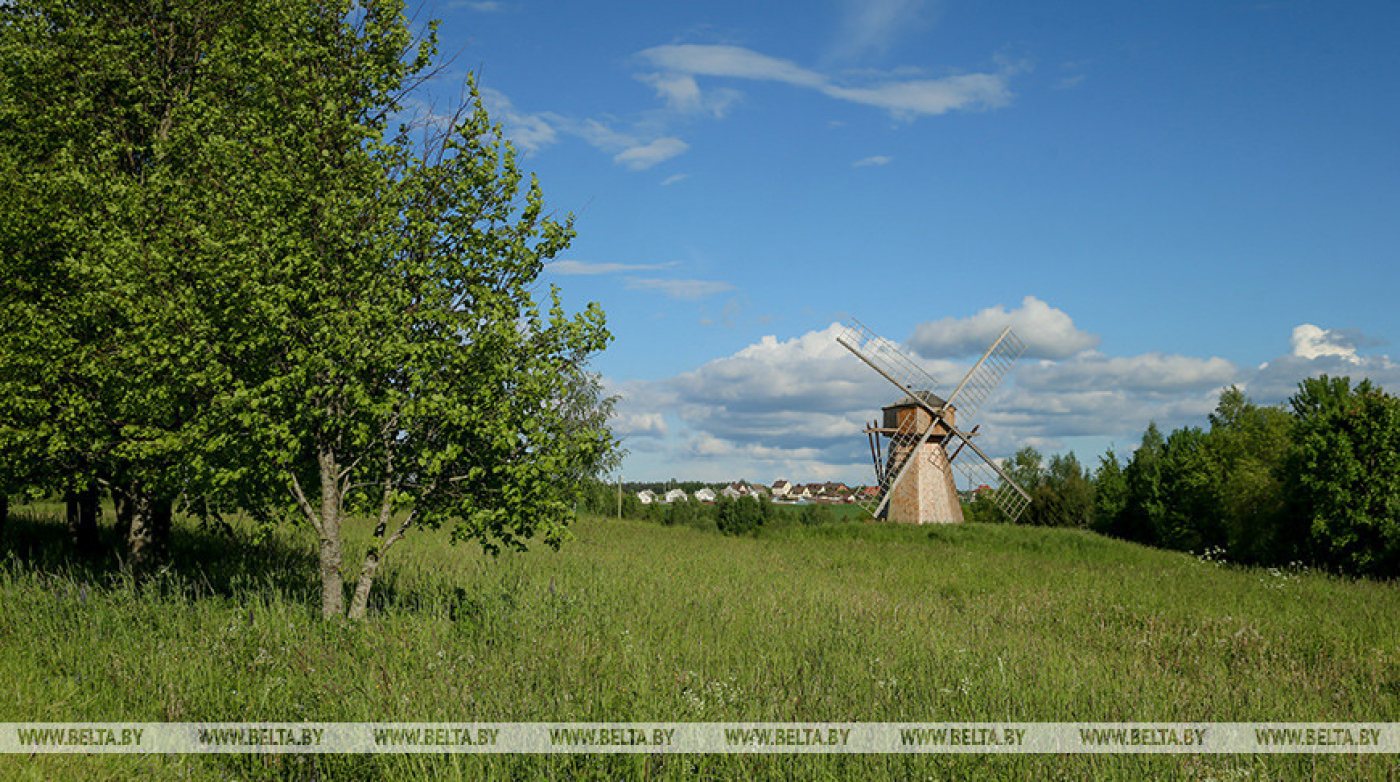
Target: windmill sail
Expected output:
[886,358]
[907,441]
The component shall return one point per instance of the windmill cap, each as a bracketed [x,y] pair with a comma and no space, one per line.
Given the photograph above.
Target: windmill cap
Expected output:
[928,398]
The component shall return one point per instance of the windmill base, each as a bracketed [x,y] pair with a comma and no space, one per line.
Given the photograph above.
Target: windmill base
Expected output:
[927,494]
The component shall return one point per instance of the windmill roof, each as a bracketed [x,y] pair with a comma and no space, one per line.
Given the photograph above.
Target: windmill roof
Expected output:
[931,399]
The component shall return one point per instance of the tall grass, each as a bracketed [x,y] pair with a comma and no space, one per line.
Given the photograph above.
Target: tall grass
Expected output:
[638,622]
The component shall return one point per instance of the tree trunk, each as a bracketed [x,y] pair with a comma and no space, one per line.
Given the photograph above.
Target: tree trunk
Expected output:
[121,502]
[332,582]
[148,542]
[359,604]
[82,519]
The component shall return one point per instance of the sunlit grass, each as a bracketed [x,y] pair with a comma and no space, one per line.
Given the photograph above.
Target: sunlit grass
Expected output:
[638,622]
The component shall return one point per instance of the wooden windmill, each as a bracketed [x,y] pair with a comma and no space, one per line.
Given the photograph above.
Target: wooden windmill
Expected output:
[914,472]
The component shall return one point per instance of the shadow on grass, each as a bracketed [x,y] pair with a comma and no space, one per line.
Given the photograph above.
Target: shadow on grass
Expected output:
[205,559]
[212,560]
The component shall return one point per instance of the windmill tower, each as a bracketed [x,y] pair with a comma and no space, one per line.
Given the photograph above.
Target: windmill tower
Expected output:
[914,474]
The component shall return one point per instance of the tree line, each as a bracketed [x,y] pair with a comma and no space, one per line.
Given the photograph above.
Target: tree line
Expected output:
[239,276]
[1315,481]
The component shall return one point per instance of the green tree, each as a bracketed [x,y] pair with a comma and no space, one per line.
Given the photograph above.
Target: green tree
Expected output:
[1343,473]
[1110,493]
[741,516]
[1190,517]
[1145,501]
[281,301]
[1250,443]
[102,155]
[407,372]
[1066,493]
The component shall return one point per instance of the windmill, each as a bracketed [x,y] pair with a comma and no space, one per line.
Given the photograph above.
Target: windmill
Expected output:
[913,476]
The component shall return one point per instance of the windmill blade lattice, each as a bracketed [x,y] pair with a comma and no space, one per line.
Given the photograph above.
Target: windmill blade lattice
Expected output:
[886,358]
[986,375]
[1003,493]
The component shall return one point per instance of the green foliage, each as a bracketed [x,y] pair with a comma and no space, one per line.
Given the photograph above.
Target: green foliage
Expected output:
[1250,444]
[1262,486]
[813,514]
[234,281]
[1344,473]
[1062,492]
[1110,493]
[742,516]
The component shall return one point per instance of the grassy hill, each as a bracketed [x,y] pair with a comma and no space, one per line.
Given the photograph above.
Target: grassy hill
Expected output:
[638,622]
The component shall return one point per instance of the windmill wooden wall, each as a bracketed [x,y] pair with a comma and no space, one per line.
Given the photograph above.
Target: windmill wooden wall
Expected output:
[928,493]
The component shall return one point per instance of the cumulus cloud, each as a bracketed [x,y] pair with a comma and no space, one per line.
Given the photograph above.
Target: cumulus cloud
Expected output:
[1315,351]
[795,407]
[901,97]
[1149,373]
[638,424]
[1309,341]
[1047,332]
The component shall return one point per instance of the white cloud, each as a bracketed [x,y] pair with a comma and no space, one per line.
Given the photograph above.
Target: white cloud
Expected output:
[1315,351]
[1047,332]
[931,96]
[647,155]
[1149,373]
[903,98]
[794,408]
[1309,341]
[685,290]
[571,267]
[682,94]
[873,160]
[482,6]
[530,132]
[633,424]
[731,61]
[673,179]
[534,132]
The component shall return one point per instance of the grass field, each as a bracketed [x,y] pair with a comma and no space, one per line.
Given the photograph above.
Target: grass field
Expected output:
[638,622]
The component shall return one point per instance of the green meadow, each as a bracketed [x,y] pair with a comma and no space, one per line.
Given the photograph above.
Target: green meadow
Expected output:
[633,621]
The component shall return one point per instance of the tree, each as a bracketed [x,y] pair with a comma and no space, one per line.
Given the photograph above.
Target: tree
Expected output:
[1250,444]
[1110,494]
[1343,473]
[399,365]
[101,146]
[1189,518]
[283,304]
[740,516]
[1066,493]
[1145,501]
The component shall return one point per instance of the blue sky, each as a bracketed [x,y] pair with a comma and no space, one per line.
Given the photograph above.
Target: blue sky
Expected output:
[1162,198]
